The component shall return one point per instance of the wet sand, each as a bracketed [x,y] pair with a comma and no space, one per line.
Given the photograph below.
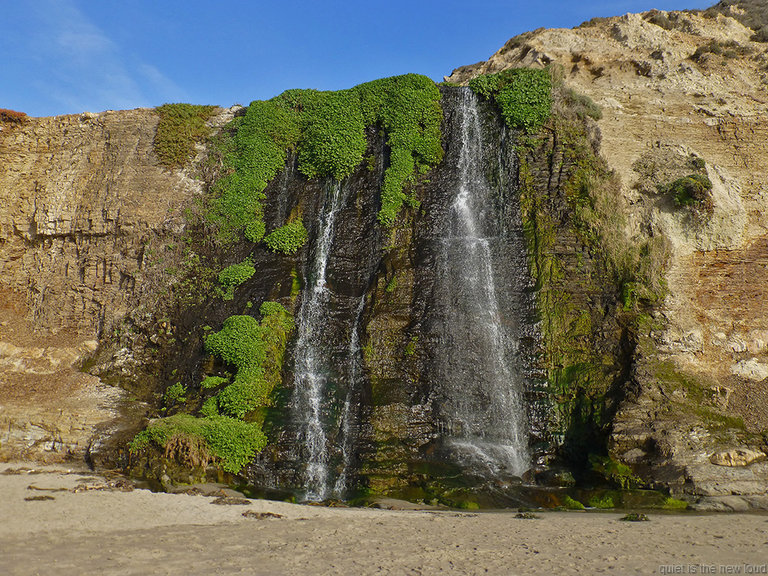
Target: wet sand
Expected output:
[73,522]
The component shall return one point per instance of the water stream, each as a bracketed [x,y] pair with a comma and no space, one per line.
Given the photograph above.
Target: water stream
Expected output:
[310,380]
[482,389]
[348,415]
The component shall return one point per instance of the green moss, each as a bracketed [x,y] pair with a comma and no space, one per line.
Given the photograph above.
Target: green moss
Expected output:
[233,276]
[572,504]
[180,127]
[601,502]
[391,285]
[579,369]
[410,348]
[295,284]
[327,129]
[615,472]
[524,96]
[675,504]
[287,239]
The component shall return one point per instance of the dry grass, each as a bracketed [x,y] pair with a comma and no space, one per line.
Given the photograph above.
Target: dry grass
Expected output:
[12,116]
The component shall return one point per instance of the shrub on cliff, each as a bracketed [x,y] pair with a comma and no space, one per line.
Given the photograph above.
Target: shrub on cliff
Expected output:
[219,433]
[327,130]
[524,96]
[287,239]
[180,127]
[12,116]
[694,192]
[233,276]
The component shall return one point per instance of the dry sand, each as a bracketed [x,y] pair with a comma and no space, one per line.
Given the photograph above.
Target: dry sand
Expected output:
[99,529]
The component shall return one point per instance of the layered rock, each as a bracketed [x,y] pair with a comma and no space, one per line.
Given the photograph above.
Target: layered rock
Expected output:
[85,205]
[675,86]
[90,252]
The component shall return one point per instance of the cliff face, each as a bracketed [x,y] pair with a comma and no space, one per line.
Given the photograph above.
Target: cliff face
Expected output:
[97,240]
[672,87]
[84,203]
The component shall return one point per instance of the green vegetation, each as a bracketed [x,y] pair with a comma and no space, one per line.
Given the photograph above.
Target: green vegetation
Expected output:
[198,440]
[211,382]
[524,96]
[572,504]
[256,350]
[180,127]
[581,104]
[692,191]
[729,49]
[582,358]
[410,348]
[287,239]
[233,276]
[634,517]
[175,394]
[695,398]
[751,13]
[675,504]
[614,471]
[327,130]
[604,502]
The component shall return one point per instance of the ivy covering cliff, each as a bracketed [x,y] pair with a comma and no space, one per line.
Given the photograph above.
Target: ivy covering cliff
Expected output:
[327,131]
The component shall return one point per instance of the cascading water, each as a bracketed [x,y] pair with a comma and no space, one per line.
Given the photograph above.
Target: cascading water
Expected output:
[348,412]
[310,380]
[484,418]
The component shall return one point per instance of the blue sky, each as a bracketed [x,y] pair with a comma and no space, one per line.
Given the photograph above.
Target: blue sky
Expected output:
[69,56]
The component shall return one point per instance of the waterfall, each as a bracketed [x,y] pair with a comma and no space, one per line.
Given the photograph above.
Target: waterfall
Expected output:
[348,412]
[310,379]
[484,415]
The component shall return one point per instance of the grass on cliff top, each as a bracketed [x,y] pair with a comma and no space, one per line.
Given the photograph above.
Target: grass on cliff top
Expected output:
[327,130]
[180,127]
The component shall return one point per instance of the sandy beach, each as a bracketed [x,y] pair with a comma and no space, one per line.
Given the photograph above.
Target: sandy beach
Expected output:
[60,521]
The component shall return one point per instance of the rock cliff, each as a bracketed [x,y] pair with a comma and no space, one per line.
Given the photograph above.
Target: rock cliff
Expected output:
[96,240]
[672,86]
[85,204]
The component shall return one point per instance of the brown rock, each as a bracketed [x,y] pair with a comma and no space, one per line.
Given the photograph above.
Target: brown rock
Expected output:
[737,457]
